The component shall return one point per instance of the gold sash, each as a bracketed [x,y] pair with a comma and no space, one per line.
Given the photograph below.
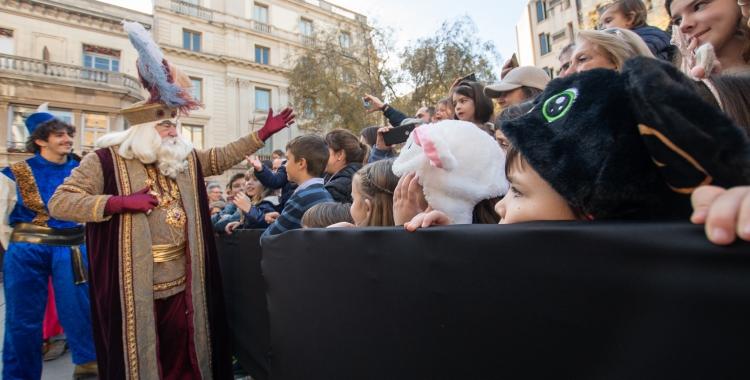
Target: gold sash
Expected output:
[167,252]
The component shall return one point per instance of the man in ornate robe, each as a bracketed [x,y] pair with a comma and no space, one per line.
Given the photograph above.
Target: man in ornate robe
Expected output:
[157,300]
[39,247]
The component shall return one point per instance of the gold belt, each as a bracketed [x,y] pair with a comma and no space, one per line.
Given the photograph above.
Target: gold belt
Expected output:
[167,252]
[31,233]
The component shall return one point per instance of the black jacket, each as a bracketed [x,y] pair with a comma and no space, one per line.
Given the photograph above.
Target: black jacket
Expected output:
[339,185]
[657,41]
[395,117]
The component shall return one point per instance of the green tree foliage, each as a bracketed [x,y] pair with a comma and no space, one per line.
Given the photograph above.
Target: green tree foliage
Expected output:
[328,79]
[431,64]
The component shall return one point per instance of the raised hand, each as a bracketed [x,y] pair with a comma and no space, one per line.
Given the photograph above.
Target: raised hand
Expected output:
[276,123]
[454,86]
[254,162]
[380,143]
[242,202]
[140,201]
[405,199]
[375,103]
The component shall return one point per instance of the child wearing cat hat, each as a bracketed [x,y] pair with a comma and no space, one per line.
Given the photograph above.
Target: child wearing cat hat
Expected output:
[628,145]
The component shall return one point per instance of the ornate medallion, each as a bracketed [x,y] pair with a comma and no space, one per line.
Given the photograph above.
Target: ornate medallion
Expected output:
[165,190]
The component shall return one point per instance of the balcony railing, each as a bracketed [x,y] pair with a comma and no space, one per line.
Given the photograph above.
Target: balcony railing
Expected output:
[307,40]
[261,27]
[192,9]
[57,71]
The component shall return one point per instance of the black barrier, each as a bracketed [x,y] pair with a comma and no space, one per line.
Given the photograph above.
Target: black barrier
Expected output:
[535,300]
[239,258]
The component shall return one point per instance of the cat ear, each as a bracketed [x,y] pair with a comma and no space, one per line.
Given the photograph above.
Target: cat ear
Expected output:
[435,148]
[691,141]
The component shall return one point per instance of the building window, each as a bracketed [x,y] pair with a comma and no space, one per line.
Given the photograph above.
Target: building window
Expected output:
[260,13]
[571,36]
[541,11]
[101,63]
[191,40]
[346,75]
[197,88]
[544,45]
[550,72]
[6,41]
[305,27]
[262,100]
[308,110]
[94,126]
[194,2]
[345,40]
[194,133]
[261,55]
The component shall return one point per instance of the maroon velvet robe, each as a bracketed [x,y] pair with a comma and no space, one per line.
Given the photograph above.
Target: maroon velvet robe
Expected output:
[106,312]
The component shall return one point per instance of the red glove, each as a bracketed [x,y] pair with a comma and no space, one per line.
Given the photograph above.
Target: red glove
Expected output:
[136,202]
[276,123]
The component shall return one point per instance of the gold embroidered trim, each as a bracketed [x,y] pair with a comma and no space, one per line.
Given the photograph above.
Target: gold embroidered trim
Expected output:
[96,206]
[30,192]
[257,140]
[199,240]
[171,284]
[73,189]
[131,345]
[214,162]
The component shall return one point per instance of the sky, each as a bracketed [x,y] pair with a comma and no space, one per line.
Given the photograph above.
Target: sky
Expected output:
[414,19]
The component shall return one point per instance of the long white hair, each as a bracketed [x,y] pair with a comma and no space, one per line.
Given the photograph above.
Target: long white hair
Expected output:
[143,143]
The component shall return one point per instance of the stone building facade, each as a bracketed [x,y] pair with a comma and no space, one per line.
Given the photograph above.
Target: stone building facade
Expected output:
[75,55]
[72,54]
[547,26]
[237,53]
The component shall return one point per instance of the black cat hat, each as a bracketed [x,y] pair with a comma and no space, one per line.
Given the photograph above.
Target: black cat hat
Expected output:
[630,145]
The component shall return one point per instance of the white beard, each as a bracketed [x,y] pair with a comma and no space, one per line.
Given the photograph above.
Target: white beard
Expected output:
[142,142]
[172,155]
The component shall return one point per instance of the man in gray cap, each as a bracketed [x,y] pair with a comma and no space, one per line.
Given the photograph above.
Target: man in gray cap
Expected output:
[519,84]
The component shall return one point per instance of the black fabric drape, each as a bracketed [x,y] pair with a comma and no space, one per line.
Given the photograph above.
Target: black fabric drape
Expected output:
[597,300]
[245,294]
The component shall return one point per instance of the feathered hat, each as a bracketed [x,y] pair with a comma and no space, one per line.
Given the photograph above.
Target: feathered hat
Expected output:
[168,86]
[630,145]
[40,116]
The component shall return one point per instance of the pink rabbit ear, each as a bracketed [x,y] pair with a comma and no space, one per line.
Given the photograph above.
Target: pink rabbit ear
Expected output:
[428,147]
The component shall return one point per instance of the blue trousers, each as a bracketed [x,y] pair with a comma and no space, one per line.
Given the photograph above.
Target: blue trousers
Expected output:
[26,269]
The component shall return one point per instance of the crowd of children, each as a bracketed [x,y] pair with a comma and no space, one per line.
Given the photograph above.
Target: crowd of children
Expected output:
[622,134]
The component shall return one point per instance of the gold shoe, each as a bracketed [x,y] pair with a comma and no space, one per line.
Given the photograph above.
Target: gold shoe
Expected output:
[87,370]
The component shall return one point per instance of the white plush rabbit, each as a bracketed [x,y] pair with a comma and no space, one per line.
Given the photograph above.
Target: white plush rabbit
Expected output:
[458,165]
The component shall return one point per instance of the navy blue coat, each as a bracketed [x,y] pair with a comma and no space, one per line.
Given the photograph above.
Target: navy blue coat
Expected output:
[657,40]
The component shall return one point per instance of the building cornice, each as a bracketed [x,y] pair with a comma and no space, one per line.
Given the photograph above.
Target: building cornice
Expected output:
[69,15]
[76,88]
[223,59]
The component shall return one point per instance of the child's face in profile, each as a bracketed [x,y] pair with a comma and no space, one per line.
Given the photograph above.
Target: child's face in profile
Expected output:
[612,17]
[360,208]
[531,198]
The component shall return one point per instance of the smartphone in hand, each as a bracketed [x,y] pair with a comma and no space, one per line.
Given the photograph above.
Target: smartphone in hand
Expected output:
[399,134]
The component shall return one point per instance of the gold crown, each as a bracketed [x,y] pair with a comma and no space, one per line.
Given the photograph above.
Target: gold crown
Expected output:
[139,114]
